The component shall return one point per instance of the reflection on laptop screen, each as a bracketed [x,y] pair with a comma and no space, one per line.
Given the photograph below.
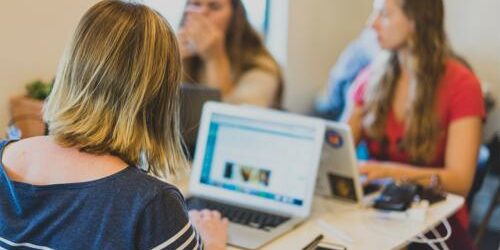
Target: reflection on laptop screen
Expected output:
[264,159]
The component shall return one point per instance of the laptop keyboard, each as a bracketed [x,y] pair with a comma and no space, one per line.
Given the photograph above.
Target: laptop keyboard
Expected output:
[244,216]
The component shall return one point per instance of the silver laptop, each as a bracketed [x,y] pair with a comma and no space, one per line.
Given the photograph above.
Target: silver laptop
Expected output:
[338,175]
[258,168]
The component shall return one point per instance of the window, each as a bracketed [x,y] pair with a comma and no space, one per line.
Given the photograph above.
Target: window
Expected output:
[257,12]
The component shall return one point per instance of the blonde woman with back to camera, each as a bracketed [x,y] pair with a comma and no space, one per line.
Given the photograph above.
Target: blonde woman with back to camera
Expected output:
[113,117]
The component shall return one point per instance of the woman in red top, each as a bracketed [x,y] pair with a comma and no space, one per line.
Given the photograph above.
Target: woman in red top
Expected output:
[419,110]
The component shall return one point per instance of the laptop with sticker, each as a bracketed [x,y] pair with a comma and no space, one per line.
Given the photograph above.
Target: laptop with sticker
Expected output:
[338,175]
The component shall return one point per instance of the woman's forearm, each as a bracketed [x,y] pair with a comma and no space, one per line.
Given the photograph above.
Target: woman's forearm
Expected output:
[449,180]
[218,73]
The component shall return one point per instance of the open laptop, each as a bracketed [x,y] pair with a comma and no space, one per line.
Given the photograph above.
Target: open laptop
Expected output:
[338,175]
[258,168]
[193,96]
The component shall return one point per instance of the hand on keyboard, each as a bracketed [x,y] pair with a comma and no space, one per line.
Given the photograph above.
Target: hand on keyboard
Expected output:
[212,228]
[244,216]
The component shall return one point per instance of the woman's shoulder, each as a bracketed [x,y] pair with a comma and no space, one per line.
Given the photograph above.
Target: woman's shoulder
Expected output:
[148,183]
[461,91]
[266,63]
[19,151]
[41,156]
[459,79]
[456,72]
[139,183]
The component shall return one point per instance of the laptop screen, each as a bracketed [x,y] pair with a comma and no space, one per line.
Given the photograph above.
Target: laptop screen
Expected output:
[263,159]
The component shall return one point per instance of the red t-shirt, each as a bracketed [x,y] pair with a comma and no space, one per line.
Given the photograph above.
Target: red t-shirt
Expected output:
[459,96]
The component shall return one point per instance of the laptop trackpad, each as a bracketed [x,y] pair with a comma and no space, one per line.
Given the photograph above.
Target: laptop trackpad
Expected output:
[247,237]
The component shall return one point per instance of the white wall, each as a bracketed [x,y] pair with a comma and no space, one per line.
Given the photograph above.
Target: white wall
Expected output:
[33,36]
[170,9]
[317,32]
[474,31]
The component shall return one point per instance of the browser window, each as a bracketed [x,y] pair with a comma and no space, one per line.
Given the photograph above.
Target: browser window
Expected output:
[263,159]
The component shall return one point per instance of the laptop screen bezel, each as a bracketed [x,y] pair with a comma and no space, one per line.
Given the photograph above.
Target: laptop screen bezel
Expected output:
[217,193]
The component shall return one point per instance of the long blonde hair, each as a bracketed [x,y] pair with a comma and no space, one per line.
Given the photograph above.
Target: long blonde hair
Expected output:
[244,47]
[429,50]
[117,88]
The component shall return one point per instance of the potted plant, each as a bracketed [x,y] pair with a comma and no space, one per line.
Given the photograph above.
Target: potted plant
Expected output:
[26,110]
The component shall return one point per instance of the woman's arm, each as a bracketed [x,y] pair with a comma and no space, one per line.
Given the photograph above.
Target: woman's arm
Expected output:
[354,117]
[218,73]
[462,147]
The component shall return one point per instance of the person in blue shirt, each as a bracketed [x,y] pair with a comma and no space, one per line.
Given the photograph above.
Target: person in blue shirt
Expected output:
[356,56]
[112,117]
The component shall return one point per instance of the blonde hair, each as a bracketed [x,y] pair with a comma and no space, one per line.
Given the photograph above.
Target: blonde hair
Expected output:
[117,88]
[429,52]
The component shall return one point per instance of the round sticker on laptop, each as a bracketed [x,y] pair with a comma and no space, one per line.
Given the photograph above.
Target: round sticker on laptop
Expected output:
[334,139]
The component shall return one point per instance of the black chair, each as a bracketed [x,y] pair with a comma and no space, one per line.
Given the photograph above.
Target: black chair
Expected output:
[481,171]
[494,166]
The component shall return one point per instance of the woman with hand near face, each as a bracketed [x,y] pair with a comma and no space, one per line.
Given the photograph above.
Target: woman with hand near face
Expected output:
[419,109]
[219,48]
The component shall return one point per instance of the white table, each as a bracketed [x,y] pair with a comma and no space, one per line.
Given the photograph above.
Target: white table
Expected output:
[362,225]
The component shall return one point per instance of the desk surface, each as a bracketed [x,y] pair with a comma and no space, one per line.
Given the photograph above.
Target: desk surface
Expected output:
[363,225]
